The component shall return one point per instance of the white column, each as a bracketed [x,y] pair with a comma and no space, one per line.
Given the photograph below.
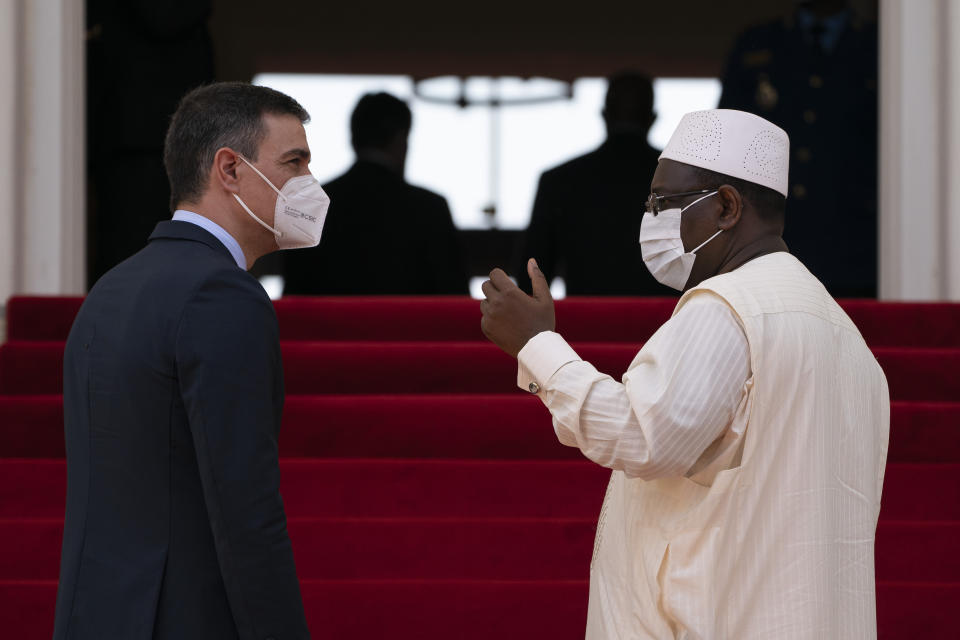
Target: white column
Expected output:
[42,194]
[952,173]
[9,142]
[53,207]
[919,150]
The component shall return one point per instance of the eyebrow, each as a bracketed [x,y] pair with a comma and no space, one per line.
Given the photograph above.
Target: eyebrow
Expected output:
[300,153]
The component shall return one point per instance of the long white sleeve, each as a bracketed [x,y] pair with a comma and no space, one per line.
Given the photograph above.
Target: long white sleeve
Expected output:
[677,397]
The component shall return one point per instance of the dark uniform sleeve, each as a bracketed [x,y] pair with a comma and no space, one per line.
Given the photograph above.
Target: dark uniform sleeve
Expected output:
[231,381]
[541,237]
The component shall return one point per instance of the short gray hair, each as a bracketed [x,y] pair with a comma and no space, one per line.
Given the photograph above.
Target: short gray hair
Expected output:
[209,118]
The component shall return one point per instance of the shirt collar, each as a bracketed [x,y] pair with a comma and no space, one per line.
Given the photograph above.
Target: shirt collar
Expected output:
[182,215]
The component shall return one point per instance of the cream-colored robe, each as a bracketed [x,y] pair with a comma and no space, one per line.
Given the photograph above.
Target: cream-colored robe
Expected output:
[773,535]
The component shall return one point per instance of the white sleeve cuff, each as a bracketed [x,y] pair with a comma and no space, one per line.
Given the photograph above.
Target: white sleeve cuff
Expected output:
[540,358]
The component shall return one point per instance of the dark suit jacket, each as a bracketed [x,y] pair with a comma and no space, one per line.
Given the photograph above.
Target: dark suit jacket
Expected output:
[173,392]
[382,236]
[586,219]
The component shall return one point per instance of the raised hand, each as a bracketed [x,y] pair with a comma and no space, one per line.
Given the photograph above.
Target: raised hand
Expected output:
[511,317]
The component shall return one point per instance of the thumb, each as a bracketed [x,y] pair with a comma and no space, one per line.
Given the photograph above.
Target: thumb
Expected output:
[541,288]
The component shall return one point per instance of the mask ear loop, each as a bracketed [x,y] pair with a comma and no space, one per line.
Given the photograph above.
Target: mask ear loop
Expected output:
[708,240]
[695,202]
[267,180]
[279,234]
[681,210]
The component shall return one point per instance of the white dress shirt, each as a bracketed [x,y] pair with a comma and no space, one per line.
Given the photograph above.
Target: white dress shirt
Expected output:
[182,215]
[678,396]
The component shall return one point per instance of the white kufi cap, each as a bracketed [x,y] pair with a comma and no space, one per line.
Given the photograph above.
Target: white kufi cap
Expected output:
[735,143]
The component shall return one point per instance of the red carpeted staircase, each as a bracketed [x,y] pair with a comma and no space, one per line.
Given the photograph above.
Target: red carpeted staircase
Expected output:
[427,496]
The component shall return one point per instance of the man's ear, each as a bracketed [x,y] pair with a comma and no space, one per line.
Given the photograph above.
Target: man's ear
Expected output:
[732,203]
[224,171]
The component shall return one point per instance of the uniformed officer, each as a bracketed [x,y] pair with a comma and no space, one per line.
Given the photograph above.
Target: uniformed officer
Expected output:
[814,73]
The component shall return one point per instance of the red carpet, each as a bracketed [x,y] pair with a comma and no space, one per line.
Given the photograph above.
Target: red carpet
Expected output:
[438,504]
[441,319]
[920,375]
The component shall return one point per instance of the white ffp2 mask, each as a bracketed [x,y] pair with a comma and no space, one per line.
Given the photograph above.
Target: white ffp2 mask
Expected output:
[662,247]
[300,212]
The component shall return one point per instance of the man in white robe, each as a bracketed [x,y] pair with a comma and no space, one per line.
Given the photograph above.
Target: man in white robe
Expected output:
[748,437]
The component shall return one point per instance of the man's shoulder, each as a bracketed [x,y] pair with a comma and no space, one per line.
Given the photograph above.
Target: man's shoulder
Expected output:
[174,270]
[574,166]
[224,298]
[704,299]
[361,183]
[775,283]
[424,195]
[339,182]
[350,184]
[143,299]
[235,286]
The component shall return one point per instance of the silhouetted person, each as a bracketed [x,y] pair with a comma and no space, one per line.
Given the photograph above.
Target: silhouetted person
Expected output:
[586,217]
[382,236]
[142,57]
[814,74]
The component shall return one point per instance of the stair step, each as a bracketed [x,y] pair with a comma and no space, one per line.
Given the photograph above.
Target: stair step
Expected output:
[472,548]
[456,367]
[479,609]
[883,324]
[372,488]
[512,425]
[374,548]
[461,488]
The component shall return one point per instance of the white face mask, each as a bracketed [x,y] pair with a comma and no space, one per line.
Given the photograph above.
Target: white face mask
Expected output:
[301,211]
[662,248]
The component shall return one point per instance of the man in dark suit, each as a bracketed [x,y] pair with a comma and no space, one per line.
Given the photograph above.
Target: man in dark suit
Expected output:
[586,216]
[173,393]
[814,73]
[383,235]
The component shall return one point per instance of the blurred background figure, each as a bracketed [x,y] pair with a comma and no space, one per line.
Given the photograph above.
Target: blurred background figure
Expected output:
[142,57]
[814,73]
[586,216]
[383,236]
